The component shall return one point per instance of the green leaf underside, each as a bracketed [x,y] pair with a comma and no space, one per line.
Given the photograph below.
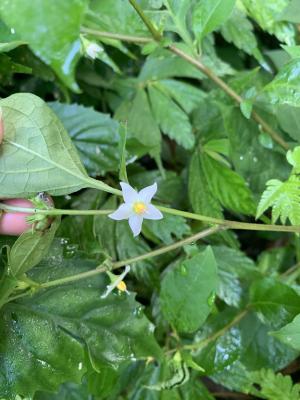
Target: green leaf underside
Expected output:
[37,154]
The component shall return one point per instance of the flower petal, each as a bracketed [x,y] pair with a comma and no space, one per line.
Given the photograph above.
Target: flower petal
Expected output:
[123,212]
[152,213]
[135,223]
[147,193]
[129,194]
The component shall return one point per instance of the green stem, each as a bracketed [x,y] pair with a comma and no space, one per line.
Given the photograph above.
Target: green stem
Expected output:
[154,32]
[117,36]
[204,342]
[118,264]
[209,220]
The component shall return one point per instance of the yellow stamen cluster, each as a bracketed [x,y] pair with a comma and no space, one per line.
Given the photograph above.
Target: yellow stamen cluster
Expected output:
[139,207]
[122,286]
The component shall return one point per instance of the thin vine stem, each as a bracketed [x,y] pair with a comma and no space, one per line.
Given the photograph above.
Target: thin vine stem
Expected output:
[117,36]
[186,214]
[118,264]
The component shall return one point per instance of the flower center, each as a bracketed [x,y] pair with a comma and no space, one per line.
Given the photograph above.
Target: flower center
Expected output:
[139,207]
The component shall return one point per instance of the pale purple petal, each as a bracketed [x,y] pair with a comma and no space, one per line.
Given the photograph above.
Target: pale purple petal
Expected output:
[152,213]
[123,212]
[135,223]
[129,194]
[147,193]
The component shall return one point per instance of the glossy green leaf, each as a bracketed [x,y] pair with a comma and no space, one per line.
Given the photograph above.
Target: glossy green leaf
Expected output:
[209,15]
[94,134]
[192,281]
[285,87]
[239,30]
[172,120]
[275,302]
[290,333]
[37,154]
[289,120]
[33,21]
[36,353]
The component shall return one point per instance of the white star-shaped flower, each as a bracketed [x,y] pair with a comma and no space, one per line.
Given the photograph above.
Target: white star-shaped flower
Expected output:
[136,207]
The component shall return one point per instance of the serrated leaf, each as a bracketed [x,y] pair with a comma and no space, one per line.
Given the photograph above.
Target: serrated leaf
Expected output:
[267,15]
[291,13]
[37,153]
[94,134]
[290,333]
[285,87]
[192,281]
[227,186]
[276,303]
[33,21]
[172,119]
[239,30]
[210,14]
[284,199]
[289,120]
[274,386]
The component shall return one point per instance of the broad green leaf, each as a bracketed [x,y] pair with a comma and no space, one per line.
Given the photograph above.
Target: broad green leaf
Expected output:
[289,120]
[290,333]
[172,119]
[292,12]
[37,153]
[209,15]
[275,302]
[274,386]
[33,21]
[118,16]
[45,337]
[143,131]
[191,282]
[122,152]
[255,163]
[217,354]
[285,87]
[94,134]
[68,391]
[239,30]
[29,249]
[267,14]
[260,349]
[36,353]
[227,186]
[293,51]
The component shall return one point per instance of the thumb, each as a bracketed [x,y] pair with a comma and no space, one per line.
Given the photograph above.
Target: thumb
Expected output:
[14,224]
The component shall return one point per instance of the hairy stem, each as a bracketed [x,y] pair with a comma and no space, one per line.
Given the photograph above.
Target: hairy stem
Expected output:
[117,36]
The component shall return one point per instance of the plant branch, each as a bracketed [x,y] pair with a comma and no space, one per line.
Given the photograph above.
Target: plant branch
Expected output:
[117,36]
[210,74]
[118,264]
[189,215]
[204,342]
